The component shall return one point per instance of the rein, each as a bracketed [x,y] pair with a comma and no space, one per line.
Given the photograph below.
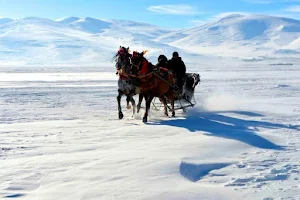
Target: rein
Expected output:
[140,76]
[137,66]
[163,79]
[149,74]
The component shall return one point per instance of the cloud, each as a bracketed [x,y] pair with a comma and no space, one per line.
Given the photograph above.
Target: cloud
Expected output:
[179,9]
[292,9]
[270,1]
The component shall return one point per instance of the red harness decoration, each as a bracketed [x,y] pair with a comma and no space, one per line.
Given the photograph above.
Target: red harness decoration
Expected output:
[122,77]
[164,70]
[144,67]
[144,74]
[169,75]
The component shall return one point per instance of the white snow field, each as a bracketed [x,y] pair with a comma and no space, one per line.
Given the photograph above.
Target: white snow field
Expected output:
[61,137]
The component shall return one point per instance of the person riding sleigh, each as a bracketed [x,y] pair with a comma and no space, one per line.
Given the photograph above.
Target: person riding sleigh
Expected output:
[177,66]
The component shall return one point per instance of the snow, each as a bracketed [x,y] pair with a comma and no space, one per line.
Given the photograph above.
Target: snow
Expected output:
[74,40]
[61,137]
[238,35]
[87,24]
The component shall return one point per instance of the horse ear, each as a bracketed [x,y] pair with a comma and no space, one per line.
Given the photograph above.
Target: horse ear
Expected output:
[144,52]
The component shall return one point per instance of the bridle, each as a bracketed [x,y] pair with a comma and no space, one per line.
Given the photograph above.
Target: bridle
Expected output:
[136,66]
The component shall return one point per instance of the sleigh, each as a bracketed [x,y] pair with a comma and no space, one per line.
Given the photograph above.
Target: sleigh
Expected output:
[184,100]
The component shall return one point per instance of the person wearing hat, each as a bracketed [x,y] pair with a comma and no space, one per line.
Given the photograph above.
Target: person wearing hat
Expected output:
[162,61]
[177,66]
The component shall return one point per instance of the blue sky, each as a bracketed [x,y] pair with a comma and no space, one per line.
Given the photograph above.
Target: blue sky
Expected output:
[166,13]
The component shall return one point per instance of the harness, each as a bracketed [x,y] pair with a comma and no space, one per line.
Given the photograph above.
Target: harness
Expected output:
[124,68]
[143,74]
[147,78]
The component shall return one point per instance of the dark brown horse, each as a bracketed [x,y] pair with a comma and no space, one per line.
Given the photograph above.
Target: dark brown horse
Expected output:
[152,83]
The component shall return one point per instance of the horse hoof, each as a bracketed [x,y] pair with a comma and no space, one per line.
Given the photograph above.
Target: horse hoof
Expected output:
[144,119]
[138,109]
[166,114]
[128,107]
[173,114]
[121,115]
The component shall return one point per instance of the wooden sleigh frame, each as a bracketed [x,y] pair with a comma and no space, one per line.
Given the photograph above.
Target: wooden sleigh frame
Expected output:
[180,103]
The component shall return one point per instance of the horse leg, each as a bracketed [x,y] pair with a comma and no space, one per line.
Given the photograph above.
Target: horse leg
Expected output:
[173,109]
[133,105]
[148,103]
[119,104]
[140,102]
[163,100]
[128,99]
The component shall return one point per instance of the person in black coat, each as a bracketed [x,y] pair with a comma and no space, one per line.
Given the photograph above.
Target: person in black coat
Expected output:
[162,61]
[177,66]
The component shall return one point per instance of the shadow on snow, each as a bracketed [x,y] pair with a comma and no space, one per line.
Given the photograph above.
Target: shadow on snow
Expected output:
[218,125]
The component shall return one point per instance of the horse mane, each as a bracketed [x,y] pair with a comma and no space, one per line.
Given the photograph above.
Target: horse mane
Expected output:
[116,56]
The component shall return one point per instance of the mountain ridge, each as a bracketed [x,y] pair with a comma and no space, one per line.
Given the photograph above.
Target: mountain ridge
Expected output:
[73,39]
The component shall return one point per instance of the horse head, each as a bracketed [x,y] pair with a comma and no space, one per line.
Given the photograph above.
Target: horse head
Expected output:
[139,63]
[123,51]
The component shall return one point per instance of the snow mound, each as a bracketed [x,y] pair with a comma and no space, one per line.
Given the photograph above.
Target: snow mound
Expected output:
[88,24]
[195,172]
[68,20]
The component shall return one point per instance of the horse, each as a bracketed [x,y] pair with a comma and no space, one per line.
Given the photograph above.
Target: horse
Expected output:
[125,86]
[152,83]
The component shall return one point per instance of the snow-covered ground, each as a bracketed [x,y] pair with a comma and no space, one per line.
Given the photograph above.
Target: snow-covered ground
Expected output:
[60,133]
[61,137]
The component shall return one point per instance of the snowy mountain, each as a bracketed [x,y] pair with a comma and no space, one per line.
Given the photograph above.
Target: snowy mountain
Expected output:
[240,35]
[73,40]
[5,20]
[89,25]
